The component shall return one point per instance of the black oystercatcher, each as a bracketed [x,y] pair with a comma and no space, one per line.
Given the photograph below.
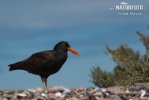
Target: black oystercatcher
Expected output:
[45,63]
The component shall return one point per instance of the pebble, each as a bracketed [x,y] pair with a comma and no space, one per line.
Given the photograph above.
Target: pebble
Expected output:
[21,95]
[58,94]
[43,95]
[98,94]
[32,90]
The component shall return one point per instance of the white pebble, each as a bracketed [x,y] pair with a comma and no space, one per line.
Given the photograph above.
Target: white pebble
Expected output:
[58,94]
[43,95]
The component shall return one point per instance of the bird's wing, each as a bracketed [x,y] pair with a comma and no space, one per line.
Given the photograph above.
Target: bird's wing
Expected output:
[39,60]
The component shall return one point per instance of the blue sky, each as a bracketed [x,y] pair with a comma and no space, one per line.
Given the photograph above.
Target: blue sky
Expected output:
[31,26]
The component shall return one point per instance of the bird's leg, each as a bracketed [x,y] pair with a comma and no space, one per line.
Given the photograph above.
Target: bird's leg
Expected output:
[43,83]
[46,82]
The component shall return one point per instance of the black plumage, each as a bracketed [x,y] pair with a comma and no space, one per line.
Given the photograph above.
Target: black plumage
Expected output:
[45,63]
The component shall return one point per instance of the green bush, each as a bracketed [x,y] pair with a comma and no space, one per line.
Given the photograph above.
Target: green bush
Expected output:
[131,67]
[101,78]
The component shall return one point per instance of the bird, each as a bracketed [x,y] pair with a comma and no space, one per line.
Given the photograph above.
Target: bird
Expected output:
[45,63]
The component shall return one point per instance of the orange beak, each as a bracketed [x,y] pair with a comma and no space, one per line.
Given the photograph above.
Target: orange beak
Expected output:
[73,51]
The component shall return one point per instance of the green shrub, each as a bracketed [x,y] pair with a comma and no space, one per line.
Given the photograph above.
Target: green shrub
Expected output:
[101,78]
[131,67]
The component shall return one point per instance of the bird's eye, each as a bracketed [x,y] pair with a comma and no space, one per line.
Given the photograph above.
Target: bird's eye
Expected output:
[64,44]
[67,45]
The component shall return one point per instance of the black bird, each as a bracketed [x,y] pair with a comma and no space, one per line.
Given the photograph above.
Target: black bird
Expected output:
[45,63]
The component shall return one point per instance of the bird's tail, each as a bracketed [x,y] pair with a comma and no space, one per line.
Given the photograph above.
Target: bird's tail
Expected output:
[14,66]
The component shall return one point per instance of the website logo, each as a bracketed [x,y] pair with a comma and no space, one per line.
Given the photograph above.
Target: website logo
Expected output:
[125,8]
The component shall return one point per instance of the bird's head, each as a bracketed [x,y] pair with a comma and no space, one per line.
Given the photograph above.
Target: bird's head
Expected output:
[64,46]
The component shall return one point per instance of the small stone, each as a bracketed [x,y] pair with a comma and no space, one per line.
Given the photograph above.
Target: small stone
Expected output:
[43,94]
[116,90]
[97,89]
[21,94]
[66,90]
[90,92]
[8,96]
[51,96]
[116,97]
[32,90]
[39,89]
[56,89]
[73,98]
[98,94]
[103,90]
[58,94]
[4,99]
[84,98]
[97,98]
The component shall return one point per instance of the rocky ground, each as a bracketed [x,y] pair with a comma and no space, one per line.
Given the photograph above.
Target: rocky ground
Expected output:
[62,93]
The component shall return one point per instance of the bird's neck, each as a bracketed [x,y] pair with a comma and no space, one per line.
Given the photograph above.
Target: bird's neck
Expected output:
[61,50]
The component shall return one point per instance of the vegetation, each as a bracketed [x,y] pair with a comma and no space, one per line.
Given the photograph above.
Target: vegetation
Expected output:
[131,66]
